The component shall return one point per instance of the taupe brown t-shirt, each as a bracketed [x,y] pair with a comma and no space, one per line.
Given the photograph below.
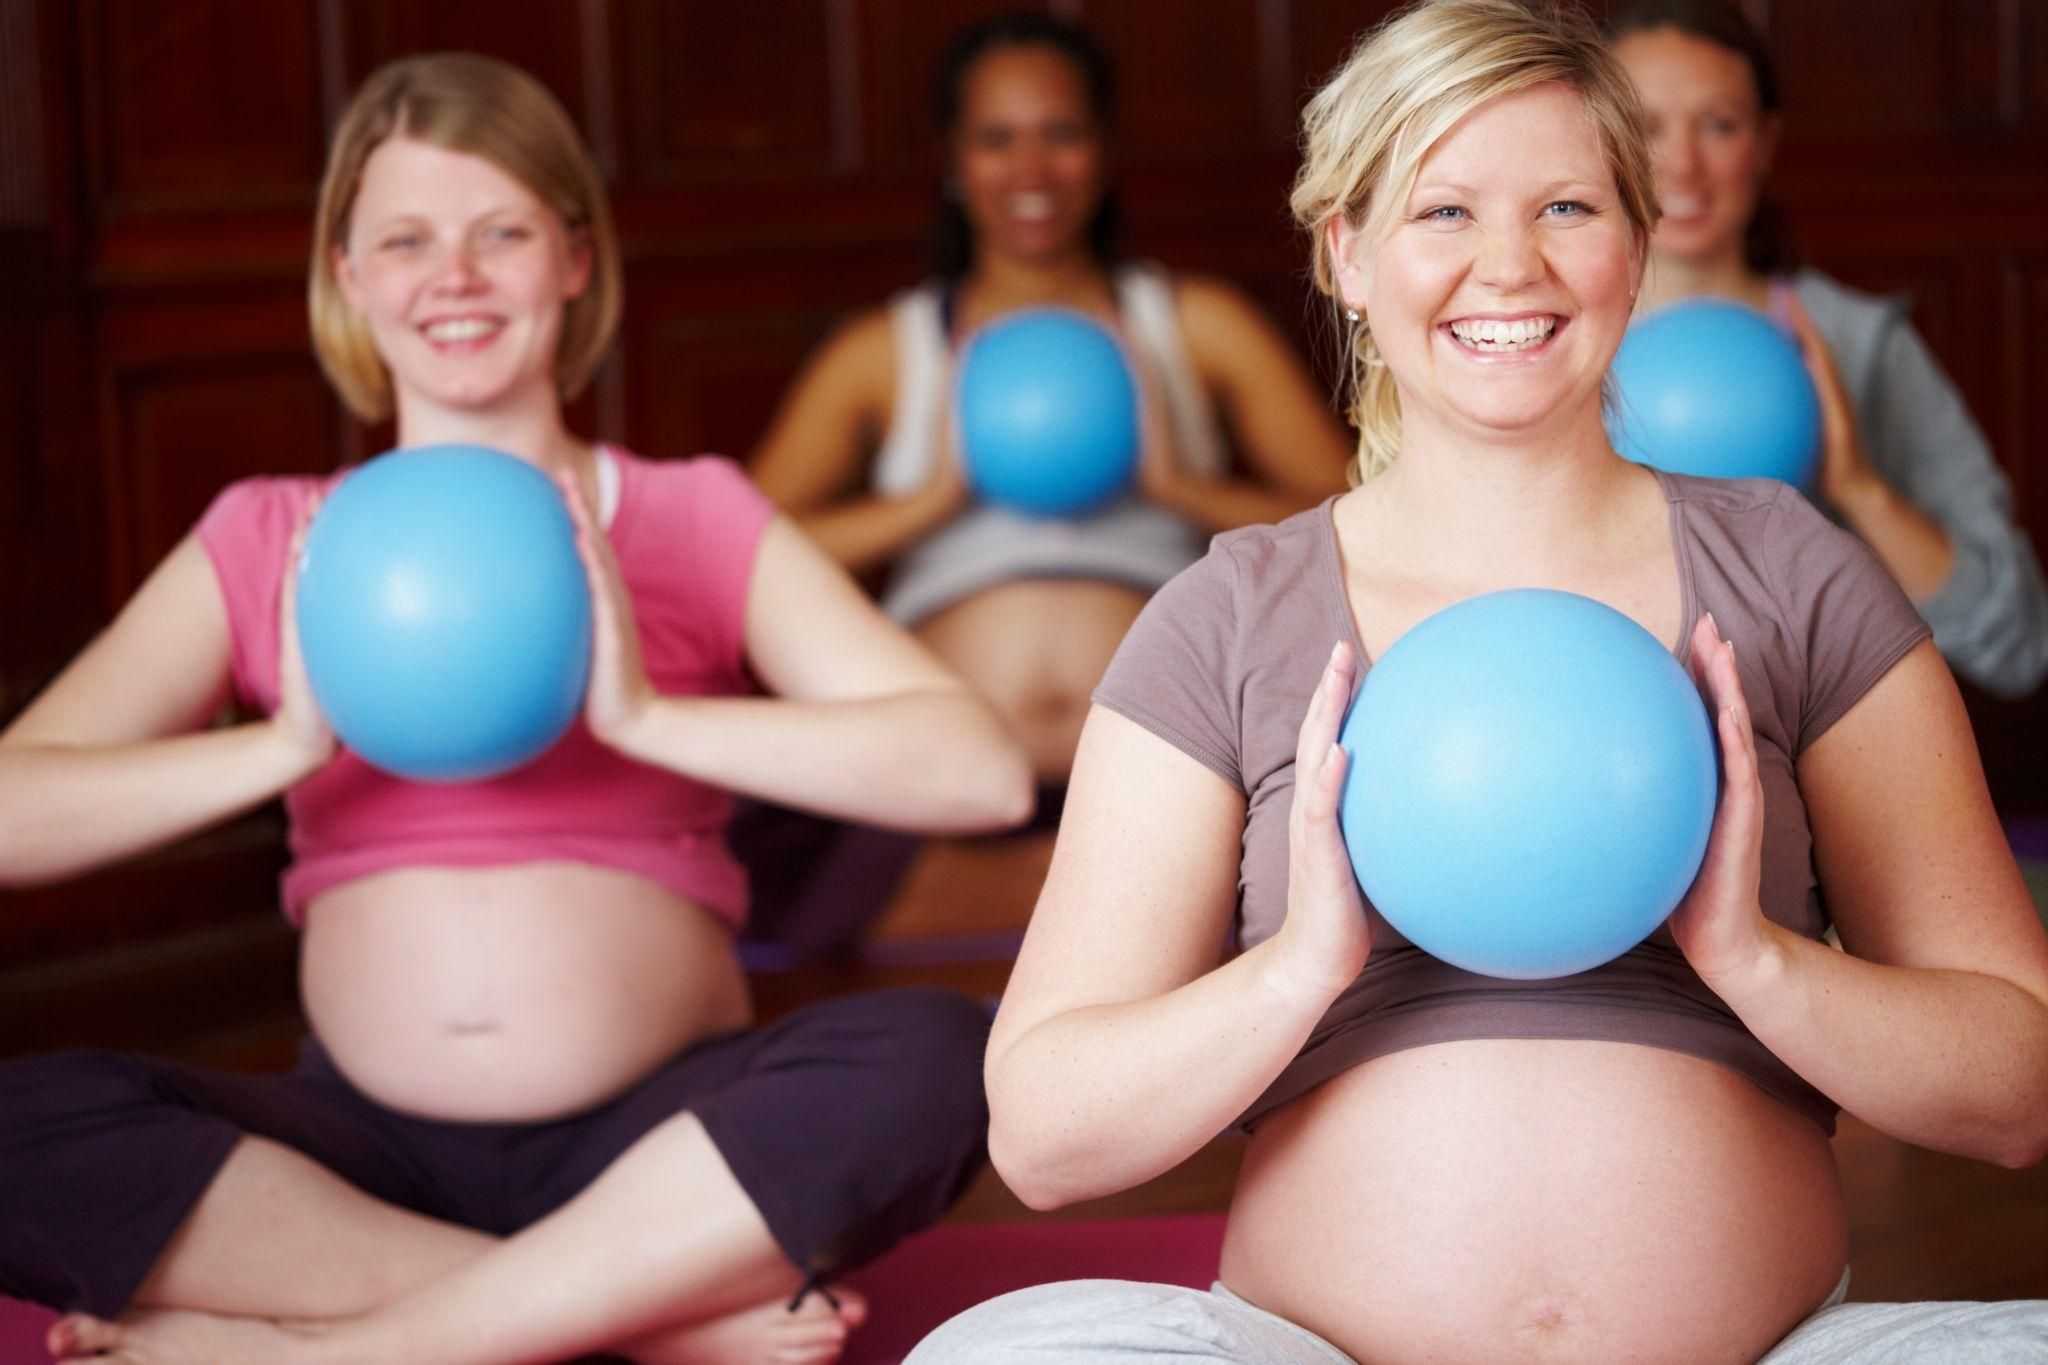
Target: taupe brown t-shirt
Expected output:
[1223,660]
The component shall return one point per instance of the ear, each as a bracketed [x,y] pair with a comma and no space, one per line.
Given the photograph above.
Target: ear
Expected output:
[1350,261]
[346,279]
[582,263]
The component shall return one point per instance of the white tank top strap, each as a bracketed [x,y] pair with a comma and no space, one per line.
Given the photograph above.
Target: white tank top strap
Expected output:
[1144,294]
[904,461]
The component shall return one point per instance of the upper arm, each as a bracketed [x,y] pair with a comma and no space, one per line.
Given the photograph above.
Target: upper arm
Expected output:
[161,668]
[813,448]
[813,635]
[1914,865]
[1281,418]
[1143,883]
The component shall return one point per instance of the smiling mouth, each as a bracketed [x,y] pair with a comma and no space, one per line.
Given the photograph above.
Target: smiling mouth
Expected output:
[1493,337]
[455,331]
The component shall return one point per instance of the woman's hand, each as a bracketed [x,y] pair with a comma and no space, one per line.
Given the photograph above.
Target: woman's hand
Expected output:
[297,719]
[1845,467]
[1720,925]
[1324,941]
[620,693]
[948,490]
[1162,473]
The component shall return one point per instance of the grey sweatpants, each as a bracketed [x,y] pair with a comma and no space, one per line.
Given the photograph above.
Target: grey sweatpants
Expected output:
[1112,1322]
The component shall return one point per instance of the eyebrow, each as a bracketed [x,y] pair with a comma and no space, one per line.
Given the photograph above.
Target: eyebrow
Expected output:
[1451,187]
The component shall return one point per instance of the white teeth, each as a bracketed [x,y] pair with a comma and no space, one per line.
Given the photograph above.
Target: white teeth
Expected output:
[1489,334]
[460,329]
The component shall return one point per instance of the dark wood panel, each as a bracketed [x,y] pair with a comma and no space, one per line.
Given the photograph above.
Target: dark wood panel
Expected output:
[543,37]
[208,104]
[718,91]
[1192,76]
[719,378]
[1864,65]
[183,432]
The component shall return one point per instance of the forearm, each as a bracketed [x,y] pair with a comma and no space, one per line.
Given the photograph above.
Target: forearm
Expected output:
[935,761]
[1226,504]
[1100,1099]
[66,810]
[1952,1060]
[1909,542]
[872,530]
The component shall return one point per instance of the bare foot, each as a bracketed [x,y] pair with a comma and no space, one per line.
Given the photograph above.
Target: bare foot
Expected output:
[773,1333]
[148,1337]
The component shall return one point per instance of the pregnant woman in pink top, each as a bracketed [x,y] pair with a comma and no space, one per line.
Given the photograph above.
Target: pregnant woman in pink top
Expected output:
[532,1120]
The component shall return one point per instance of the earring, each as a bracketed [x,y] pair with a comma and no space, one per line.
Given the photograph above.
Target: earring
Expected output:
[1351,315]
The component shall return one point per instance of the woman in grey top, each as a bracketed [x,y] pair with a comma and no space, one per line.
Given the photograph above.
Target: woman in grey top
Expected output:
[1627,1164]
[1904,465]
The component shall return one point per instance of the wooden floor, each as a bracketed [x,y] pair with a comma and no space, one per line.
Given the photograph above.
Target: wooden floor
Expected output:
[1923,1225]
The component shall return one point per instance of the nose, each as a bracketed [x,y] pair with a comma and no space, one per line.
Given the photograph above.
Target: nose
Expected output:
[1510,259]
[1677,156]
[456,272]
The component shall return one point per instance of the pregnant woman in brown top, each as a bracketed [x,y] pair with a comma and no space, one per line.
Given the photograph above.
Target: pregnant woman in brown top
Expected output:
[1629,1164]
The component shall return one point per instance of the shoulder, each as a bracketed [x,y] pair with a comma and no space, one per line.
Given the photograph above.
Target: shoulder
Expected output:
[259,513]
[703,485]
[1212,307]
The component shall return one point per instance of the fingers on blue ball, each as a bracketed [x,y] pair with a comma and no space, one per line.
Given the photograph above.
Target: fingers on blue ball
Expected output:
[444,614]
[1531,785]
[1048,413]
[1716,389]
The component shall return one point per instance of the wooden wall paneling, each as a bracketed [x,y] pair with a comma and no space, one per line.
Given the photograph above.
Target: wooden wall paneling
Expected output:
[721,377]
[1864,66]
[1190,74]
[201,104]
[766,89]
[193,397]
[543,37]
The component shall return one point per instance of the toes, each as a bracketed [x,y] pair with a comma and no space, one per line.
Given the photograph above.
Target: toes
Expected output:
[853,1305]
[81,1334]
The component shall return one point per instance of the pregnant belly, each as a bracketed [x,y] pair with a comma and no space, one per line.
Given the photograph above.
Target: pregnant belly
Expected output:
[1525,1200]
[511,994]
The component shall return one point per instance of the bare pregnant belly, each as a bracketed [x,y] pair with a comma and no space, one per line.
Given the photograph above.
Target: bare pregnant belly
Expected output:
[511,994]
[1516,1200]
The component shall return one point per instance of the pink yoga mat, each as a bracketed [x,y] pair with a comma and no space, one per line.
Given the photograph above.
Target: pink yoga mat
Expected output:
[21,1332]
[928,1279]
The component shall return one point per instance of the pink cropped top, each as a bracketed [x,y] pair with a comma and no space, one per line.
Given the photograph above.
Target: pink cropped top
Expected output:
[685,533]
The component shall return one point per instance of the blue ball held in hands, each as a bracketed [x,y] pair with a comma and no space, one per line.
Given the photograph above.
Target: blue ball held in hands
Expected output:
[1048,413]
[1532,779]
[444,614]
[1716,389]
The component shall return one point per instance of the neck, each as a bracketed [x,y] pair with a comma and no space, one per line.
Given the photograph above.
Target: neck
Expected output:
[1724,275]
[531,429]
[1003,283]
[1466,509]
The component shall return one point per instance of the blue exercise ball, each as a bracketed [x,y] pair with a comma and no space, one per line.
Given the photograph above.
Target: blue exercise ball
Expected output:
[1048,413]
[1716,389]
[1532,779]
[444,614]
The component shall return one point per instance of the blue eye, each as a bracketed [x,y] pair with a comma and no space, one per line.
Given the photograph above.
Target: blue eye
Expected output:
[403,241]
[1572,208]
[1447,213]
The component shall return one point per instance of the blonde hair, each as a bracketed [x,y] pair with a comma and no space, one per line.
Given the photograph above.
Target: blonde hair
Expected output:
[1407,83]
[486,108]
